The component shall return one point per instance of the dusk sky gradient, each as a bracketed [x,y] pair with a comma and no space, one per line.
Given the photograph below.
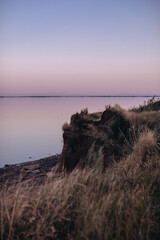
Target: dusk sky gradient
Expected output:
[79,47]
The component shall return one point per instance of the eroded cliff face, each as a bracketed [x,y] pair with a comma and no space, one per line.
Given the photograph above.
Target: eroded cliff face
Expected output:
[95,140]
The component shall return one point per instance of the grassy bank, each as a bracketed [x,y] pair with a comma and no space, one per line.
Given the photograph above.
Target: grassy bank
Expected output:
[120,201]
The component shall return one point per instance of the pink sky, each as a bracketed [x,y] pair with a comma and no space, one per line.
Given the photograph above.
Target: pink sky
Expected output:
[80,48]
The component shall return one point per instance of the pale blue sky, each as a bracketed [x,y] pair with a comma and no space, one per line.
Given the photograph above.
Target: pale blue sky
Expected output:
[79,47]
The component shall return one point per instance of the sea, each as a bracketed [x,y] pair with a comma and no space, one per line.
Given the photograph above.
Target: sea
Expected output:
[31,127]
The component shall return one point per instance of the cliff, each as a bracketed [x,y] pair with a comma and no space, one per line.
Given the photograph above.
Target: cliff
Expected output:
[99,139]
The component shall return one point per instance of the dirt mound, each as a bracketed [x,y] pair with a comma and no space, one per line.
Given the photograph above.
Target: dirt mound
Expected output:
[87,138]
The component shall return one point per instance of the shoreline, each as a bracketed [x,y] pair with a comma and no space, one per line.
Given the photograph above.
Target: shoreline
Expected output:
[36,169]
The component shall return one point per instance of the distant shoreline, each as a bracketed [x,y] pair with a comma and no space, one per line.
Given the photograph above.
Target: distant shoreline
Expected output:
[80,96]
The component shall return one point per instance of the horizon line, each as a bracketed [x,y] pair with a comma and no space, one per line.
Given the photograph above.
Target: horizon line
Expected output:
[59,96]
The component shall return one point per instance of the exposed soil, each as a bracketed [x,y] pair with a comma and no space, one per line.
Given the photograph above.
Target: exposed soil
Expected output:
[86,136]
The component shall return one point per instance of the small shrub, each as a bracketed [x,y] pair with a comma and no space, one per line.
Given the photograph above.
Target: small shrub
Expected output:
[84,111]
[65,127]
[151,105]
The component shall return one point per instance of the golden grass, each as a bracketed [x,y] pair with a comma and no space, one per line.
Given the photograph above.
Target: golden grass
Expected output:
[144,117]
[122,203]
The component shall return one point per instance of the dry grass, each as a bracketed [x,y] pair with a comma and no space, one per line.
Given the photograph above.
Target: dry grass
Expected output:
[144,117]
[122,203]
[152,104]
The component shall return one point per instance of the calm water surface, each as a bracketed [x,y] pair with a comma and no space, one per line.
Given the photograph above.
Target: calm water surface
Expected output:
[31,128]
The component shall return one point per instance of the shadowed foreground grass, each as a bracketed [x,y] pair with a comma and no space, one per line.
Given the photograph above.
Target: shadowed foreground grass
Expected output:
[123,202]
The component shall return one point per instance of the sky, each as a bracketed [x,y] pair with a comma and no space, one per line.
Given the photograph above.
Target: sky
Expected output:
[79,47]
